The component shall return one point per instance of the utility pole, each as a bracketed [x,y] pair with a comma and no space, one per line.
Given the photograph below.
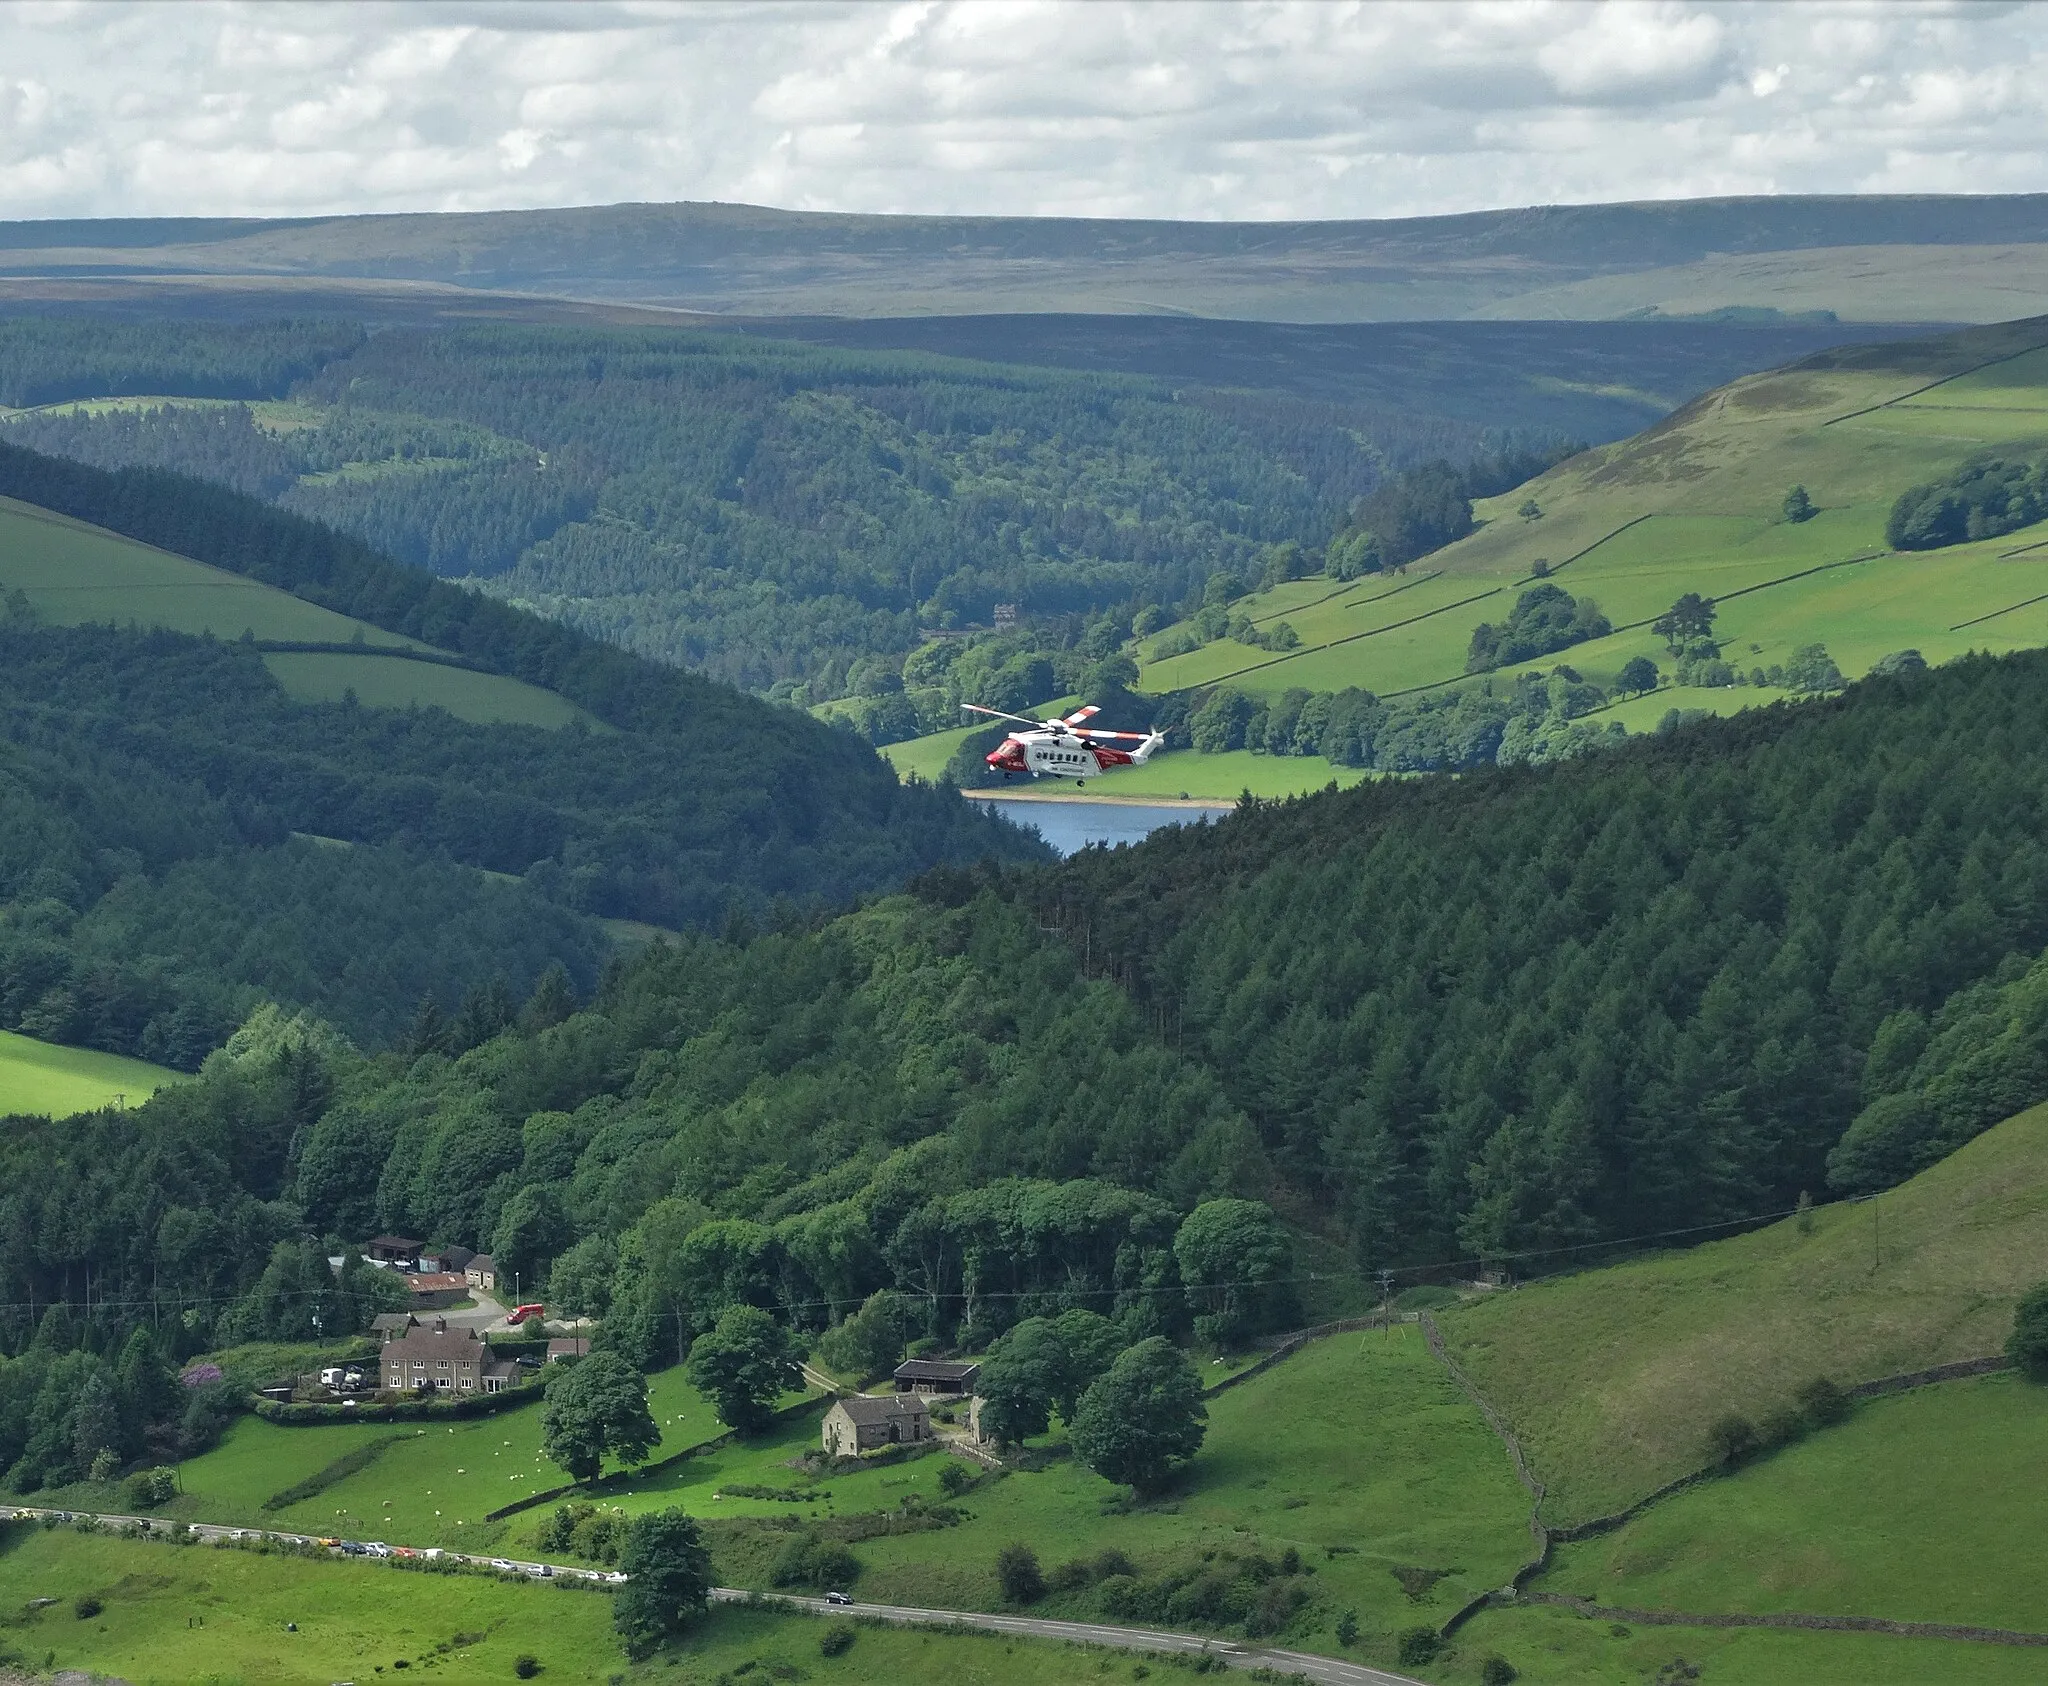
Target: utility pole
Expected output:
[1387,1300]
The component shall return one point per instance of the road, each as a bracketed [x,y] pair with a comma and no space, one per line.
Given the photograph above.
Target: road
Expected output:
[1328,1671]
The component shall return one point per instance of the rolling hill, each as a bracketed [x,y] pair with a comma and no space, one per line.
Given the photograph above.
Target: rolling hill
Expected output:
[1694,504]
[1859,256]
[194,709]
[1611,1377]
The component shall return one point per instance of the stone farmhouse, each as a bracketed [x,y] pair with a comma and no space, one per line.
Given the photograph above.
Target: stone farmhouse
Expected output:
[444,1360]
[862,1422]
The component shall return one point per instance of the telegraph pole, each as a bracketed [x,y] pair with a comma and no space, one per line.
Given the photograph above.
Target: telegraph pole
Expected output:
[1387,1300]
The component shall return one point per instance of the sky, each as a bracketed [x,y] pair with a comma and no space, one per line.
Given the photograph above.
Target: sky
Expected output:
[1256,110]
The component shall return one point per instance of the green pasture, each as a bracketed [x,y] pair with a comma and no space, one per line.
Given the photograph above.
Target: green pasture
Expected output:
[1947,1533]
[45,1078]
[1359,1442]
[738,1645]
[394,682]
[1201,778]
[174,1614]
[74,574]
[434,1484]
[1553,1647]
[1611,1377]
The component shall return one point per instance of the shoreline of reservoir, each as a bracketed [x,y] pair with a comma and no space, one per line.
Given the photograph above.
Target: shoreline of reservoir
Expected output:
[1209,804]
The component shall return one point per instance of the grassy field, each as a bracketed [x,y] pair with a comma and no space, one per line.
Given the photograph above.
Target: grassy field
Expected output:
[432,1485]
[1381,1458]
[74,574]
[1553,1647]
[186,1614]
[1173,774]
[1948,1535]
[42,1077]
[178,1615]
[388,682]
[1611,1377]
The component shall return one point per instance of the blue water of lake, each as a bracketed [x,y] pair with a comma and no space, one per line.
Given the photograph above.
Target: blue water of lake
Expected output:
[1069,826]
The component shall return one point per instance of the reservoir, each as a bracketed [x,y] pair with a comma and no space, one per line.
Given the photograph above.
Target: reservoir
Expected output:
[1072,825]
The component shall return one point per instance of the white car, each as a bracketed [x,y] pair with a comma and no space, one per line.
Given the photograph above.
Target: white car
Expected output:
[377,1548]
[500,1563]
[615,1578]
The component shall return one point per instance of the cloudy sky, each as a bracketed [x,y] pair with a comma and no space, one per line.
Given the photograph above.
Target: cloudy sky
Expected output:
[1268,108]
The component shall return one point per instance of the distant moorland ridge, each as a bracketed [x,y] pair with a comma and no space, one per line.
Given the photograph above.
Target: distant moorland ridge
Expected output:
[729,258]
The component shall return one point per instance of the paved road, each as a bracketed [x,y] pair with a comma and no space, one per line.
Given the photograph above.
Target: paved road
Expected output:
[1332,1671]
[1328,1671]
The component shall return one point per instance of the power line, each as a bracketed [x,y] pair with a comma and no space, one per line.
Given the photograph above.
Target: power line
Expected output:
[1070,1290]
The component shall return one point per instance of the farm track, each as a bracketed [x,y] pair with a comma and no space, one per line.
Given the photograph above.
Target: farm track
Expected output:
[1328,1671]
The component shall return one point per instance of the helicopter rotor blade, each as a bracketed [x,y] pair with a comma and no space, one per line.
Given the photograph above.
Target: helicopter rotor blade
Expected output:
[1035,725]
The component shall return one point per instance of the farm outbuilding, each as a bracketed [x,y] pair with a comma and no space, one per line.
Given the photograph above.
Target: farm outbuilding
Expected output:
[937,1378]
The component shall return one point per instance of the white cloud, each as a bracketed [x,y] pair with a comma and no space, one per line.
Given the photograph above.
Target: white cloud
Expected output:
[1265,108]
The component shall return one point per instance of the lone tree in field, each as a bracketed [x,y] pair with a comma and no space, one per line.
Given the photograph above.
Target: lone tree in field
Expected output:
[1638,675]
[2027,1345]
[1798,506]
[668,1580]
[1692,616]
[743,1365]
[1142,1419]
[597,1406]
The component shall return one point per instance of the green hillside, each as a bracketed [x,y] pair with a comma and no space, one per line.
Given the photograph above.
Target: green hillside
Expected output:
[75,574]
[1945,1536]
[1694,504]
[1612,1377]
[41,1077]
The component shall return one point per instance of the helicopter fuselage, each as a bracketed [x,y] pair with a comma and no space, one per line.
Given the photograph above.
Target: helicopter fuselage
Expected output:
[1041,754]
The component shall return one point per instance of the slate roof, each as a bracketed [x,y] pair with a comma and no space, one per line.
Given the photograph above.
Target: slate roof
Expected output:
[866,1409]
[935,1370]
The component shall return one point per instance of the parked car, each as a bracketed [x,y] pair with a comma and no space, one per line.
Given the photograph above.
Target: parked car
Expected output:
[500,1563]
[838,1598]
[616,1578]
[377,1548]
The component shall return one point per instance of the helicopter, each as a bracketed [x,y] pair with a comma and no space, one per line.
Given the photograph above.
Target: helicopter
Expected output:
[1065,748]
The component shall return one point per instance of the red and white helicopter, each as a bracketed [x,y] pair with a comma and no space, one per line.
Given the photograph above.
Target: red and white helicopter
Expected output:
[1066,749]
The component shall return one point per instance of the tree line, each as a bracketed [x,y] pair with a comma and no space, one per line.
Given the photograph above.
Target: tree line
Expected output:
[48,359]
